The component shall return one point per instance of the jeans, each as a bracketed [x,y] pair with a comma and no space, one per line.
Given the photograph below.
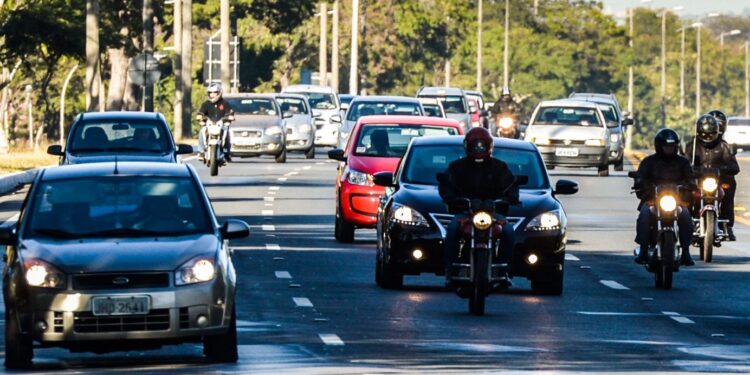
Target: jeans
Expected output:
[450,253]
[647,219]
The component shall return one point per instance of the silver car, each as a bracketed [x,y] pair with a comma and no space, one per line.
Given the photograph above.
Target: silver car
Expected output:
[258,127]
[454,103]
[432,107]
[300,127]
[119,256]
[326,109]
[571,133]
[377,106]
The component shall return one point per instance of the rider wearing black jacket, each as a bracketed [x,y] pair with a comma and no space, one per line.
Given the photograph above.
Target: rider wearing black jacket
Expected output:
[663,167]
[478,176]
[708,150]
[215,108]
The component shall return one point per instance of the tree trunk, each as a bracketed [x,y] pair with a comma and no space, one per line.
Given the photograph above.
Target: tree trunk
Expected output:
[93,75]
[118,79]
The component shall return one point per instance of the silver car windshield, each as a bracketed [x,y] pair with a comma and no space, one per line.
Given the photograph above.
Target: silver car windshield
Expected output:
[319,100]
[116,206]
[574,116]
[258,107]
[292,105]
[452,104]
[113,136]
[362,109]
[424,163]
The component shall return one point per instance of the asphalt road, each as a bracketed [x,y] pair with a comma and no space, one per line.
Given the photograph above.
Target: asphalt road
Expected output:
[310,305]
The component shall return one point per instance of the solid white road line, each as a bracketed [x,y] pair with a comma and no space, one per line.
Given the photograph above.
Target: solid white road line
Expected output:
[614,284]
[268,227]
[266,212]
[282,275]
[12,220]
[269,199]
[302,302]
[272,246]
[670,313]
[330,339]
[569,256]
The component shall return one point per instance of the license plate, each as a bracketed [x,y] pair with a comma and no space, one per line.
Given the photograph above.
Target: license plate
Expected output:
[245,142]
[566,152]
[135,305]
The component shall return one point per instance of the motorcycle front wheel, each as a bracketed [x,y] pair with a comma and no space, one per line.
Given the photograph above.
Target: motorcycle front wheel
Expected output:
[708,239]
[479,282]
[667,260]
[214,162]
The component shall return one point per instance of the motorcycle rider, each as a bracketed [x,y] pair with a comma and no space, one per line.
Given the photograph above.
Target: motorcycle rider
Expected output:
[505,106]
[478,176]
[709,150]
[663,167]
[214,108]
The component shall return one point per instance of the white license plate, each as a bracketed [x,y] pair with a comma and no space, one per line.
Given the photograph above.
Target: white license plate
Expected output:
[566,152]
[134,305]
[245,142]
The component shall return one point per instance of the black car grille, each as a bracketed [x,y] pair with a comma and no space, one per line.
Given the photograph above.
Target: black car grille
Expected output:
[236,147]
[567,142]
[443,220]
[184,318]
[87,322]
[121,281]
[58,323]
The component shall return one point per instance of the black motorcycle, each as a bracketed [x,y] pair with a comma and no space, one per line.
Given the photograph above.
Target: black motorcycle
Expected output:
[708,227]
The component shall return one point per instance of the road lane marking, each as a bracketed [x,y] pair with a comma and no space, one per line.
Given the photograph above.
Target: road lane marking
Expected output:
[272,246]
[302,302]
[272,192]
[670,313]
[614,284]
[307,167]
[268,227]
[614,313]
[282,179]
[291,174]
[266,212]
[319,163]
[269,199]
[682,319]
[190,158]
[274,187]
[296,169]
[12,220]
[330,339]
[572,257]
[268,205]
[283,275]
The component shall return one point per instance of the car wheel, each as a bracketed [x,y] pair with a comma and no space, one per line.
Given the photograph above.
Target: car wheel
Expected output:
[343,231]
[223,348]
[310,154]
[281,157]
[389,278]
[19,349]
[548,283]
[620,164]
[604,171]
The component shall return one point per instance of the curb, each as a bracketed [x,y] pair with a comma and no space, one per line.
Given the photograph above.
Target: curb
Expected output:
[13,181]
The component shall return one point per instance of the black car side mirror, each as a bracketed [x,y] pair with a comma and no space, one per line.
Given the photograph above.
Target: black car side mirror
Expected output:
[484,113]
[383,179]
[566,187]
[337,154]
[336,118]
[287,115]
[183,149]
[627,122]
[55,150]
[8,235]
[233,229]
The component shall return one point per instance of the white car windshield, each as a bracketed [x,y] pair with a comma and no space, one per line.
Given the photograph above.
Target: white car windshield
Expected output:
[572,116]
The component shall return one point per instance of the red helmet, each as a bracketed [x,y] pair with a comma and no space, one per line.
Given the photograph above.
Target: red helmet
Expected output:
[478,144]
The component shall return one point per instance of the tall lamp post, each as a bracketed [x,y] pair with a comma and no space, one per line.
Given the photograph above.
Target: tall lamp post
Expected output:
[728,33]
[664,65]
[747,78]
[698,25]
[505,51]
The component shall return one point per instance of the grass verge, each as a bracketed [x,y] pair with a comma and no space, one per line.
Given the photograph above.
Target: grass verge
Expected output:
[18,161]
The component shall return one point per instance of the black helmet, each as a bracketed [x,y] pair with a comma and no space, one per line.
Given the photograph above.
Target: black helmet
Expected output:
[707,129]
[666,138]
[721,118]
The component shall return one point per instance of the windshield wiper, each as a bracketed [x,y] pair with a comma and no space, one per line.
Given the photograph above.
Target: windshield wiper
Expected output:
[58,233]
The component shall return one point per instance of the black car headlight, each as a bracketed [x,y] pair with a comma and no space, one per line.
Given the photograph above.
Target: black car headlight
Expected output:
[406,215]
[549,220]
[197,270]
[41,274]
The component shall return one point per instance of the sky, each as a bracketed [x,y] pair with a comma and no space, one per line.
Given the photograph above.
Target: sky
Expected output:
[691,9]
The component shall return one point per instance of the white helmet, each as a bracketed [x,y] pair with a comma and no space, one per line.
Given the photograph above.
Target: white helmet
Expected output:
[214,87]
[506,91]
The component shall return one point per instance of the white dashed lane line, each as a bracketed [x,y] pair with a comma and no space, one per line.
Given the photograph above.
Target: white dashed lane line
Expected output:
[676,317]
[307,167]
[269,199]
[272,246]
[268,227]
[319,163]
[266,212]
[302,302]
[572,257]
[282,275]
[274,187]
[330,339]
[614,284]
[281,179]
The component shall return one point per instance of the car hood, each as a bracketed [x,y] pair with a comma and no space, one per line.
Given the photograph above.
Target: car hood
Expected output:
[426,199]
[562,132]
[372,165]
[298,120]
[118,255]
[122,156]
[254,122]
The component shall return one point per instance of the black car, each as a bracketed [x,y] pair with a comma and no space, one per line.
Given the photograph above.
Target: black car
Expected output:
[127,136]
[412,218]
[119,256]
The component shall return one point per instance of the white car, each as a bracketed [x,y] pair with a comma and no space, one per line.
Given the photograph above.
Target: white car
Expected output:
[326,109]
[738,132]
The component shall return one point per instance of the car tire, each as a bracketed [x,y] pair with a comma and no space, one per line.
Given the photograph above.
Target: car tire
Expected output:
[387,277]
[604,171]
[620,164]
[310,154]
[19,349]
[548,283]
[281,157]
[223,348]
[343,231]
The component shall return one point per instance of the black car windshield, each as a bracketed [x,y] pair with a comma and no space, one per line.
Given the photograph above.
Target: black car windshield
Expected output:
[452,104]
[362,109]
[320,100]
[576,116]
[117,206]
[431,110]
[424,163]
[294,106]
[390,141]
[253,106]
[120,136]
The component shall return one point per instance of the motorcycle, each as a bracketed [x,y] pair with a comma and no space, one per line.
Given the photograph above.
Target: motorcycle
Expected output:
[664,250]
[708,227]
[216,135]
[507,127]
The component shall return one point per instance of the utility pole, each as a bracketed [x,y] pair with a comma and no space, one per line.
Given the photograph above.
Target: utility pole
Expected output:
[536,8]
[226,74]
[28,90]
[505,51]
[479,46]
[323,52]
[629,139]
[148,46]
[187,67]
[92,55]
[682,71]
[335,48]
[747,78]
[447,78]
[664,69]
[698,72]
[354,49]
[178,84]
[62,103]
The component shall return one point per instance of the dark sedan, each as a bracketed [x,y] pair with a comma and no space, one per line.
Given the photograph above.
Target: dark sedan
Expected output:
[412,218]
[128,136]
[119,256]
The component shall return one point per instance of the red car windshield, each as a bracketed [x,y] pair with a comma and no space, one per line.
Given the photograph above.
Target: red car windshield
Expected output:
[391,141]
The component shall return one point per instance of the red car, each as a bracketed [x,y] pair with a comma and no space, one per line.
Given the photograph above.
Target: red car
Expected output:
[376,144]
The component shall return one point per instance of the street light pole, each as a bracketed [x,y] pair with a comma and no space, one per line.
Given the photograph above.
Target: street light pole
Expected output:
[479,45]
[664,69]
[505,51]
[682,70]
[225,55]
[62,103]
[335,47]
[629,139]
[747,78]
[323,51]
[698,69]
[354,49]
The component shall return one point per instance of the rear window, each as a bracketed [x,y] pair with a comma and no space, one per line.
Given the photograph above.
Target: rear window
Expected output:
[113,135]
[392,140]
[738,121]
[575,116]
[260,107]
[362,109]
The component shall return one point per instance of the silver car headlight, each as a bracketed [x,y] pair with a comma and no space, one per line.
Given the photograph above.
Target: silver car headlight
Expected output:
[274,130]
[197,270]
[549,220]
[614,138]
[668,203]
[41,274]
[709,184]
[359,178]
[406,215]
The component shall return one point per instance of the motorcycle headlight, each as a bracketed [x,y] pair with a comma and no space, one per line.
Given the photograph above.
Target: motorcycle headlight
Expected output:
[43,275]
[359,178]
[482,220]
[274,130]
[594,142]
[668,203]
[214,130]
[549,220]
[305,128]
[709,184]
[197,270]
[406,215]
[506,122]
[614,137]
